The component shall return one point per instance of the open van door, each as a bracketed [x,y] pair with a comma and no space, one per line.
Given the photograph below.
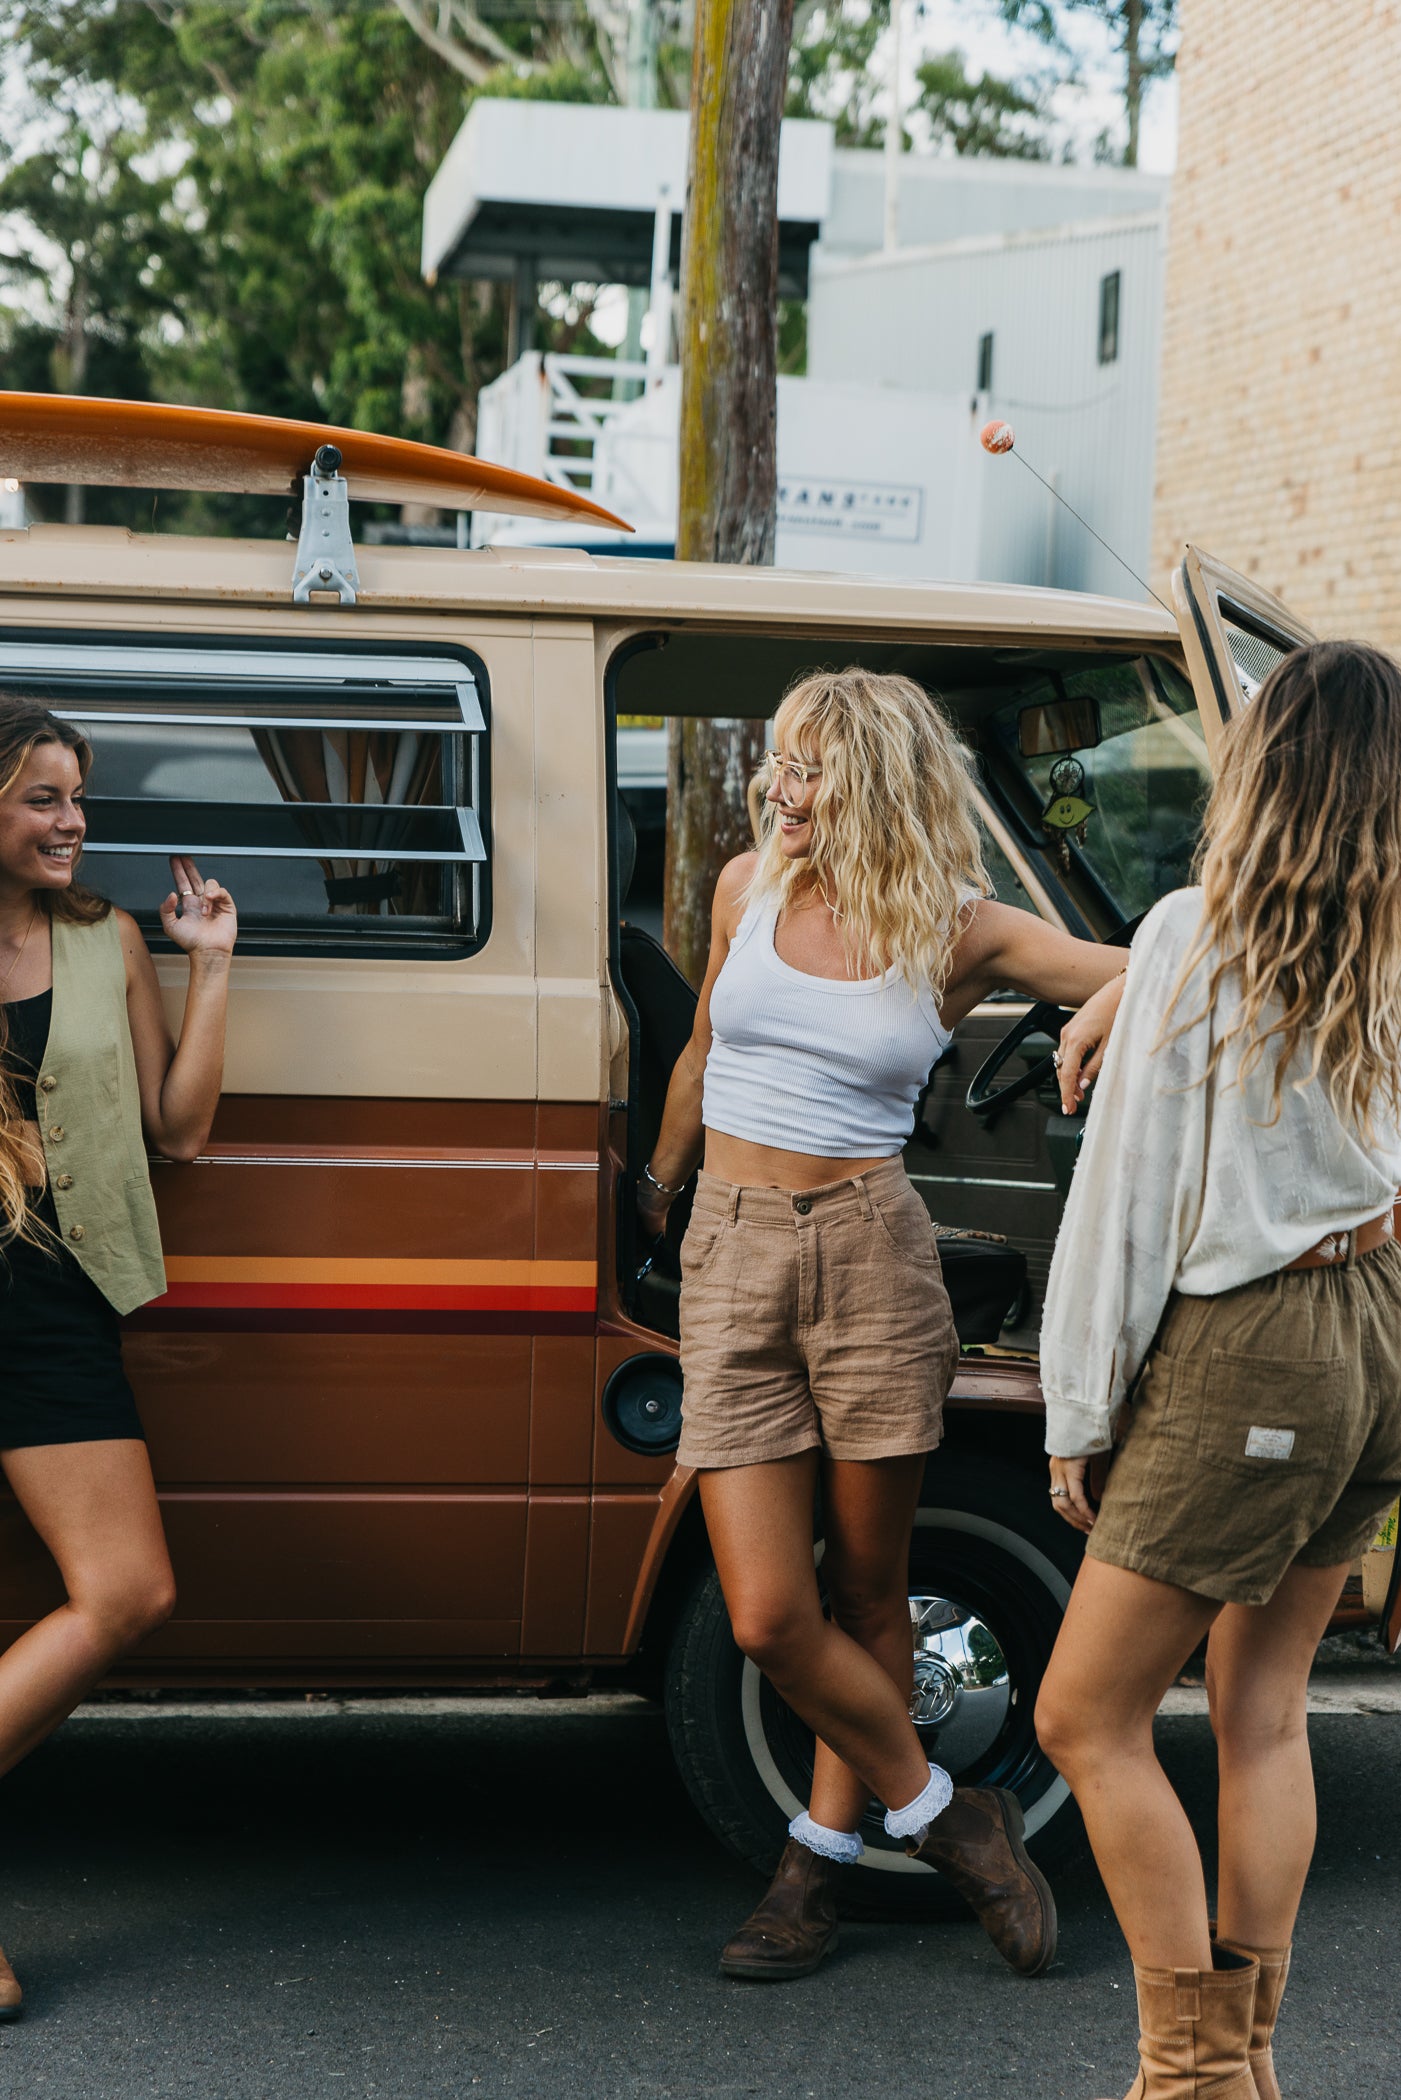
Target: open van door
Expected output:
[1233,632]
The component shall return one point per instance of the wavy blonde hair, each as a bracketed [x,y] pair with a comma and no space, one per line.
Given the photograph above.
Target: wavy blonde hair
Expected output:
[1300,867]
[24,725]
[894,839]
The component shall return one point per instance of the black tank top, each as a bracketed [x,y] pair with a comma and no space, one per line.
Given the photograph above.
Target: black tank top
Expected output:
[26,1039]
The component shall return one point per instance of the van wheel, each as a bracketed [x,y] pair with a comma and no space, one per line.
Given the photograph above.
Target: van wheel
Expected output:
[990,1572]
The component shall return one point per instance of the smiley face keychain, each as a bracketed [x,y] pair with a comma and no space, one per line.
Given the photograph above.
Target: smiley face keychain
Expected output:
[1067,811]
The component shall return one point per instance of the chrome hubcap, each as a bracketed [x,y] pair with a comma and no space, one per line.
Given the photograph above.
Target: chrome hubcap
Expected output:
[963,1689]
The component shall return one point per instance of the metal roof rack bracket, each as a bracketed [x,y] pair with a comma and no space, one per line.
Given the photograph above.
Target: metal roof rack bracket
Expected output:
[325,550]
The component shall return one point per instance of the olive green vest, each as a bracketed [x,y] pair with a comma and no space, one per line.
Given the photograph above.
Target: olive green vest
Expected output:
[90,1119]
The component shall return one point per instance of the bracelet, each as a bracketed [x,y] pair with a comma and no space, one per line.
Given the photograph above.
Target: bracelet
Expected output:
[660,1186]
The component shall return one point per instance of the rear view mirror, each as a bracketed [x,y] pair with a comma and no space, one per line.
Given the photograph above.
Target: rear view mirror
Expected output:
[1058,725]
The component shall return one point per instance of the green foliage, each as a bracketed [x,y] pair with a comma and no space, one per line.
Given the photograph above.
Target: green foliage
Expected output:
[236,193]
[1144,32]
[986,115]
[833,73]
[830,72]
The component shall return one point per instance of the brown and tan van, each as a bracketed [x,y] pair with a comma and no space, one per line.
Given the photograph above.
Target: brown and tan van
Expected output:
[412,1394]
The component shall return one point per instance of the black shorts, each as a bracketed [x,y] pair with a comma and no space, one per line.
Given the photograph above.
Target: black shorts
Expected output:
[61,1376]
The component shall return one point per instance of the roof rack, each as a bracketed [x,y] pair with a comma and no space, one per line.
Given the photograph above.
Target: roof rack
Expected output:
[150,444]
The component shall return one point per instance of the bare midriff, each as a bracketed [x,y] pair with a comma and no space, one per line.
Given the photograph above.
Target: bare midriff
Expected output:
[769,1167]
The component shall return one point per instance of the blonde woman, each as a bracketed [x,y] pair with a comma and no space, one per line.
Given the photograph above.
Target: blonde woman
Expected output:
[88,1076]
[816,1338]
[1228,1260]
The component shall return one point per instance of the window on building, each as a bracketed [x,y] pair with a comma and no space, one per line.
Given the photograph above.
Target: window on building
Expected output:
[1109,318]
[340,793]
[985,363]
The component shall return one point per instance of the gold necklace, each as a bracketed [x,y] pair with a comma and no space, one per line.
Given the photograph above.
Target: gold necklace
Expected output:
[4,981]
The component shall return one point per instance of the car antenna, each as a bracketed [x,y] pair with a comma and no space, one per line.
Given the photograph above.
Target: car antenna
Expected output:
[997,437]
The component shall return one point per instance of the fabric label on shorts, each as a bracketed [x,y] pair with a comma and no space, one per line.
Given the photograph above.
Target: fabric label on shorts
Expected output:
[1269,1443]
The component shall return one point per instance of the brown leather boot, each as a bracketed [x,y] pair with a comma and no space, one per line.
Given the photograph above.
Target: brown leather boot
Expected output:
[11,1996]
[977,1845]
[794,1926]
[1195,2028]
[1269,1990]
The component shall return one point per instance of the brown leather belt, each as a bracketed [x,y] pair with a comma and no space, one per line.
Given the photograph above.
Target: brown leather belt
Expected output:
[1334,1248]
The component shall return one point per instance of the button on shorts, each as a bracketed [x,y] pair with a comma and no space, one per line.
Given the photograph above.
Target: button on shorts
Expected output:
[815,1320]
[1266,1429]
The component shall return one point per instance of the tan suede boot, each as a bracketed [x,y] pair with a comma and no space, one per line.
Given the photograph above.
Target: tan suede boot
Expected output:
[1274,1974]
[1195,2028]
[11,1996]
[794,1925]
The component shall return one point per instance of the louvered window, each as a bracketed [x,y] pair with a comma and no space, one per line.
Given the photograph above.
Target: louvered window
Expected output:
[340,794]
[1255,646]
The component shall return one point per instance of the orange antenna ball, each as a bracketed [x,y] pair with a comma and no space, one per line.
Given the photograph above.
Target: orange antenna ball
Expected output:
[996,437]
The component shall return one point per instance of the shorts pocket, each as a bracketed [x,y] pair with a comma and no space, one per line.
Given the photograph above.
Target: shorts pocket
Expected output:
[701,1244]
[907,1227]
[1266,1417]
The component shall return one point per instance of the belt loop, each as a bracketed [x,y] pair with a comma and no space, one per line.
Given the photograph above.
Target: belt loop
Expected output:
[863,1196]
[1350,1262]
[732,1203]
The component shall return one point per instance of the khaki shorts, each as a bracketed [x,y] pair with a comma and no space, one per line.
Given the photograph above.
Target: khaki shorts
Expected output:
[812,1321]
[1266,1429]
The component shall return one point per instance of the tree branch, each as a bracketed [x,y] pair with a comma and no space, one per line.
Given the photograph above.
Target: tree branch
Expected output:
[607,35]
[475,66]
[167,16]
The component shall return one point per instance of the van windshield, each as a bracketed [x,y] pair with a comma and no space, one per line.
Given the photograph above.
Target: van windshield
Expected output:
[1143,784]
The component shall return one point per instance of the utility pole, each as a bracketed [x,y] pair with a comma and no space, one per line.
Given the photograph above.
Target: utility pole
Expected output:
[1133,61]
[729,413]
[642,94]
[894,131]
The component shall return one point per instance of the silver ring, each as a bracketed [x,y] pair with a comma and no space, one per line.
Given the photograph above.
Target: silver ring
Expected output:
[1058,1494]
[1056,1059]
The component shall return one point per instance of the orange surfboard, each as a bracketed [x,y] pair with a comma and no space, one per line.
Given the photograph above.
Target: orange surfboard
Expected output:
[149,445]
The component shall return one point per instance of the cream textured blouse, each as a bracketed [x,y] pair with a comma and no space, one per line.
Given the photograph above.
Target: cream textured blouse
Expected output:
[1184,1186]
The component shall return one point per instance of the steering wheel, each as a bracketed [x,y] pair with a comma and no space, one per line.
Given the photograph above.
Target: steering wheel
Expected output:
[987,1100]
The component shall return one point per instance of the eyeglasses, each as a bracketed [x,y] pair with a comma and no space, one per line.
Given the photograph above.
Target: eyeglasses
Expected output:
[790,773]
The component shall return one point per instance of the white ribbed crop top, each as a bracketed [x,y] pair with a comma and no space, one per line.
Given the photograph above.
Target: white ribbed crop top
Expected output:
[814,1064]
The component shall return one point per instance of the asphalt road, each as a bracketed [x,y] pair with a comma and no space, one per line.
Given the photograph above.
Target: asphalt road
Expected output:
[461,1900]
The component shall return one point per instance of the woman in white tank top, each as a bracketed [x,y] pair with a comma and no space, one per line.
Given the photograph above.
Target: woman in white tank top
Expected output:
[816,1337]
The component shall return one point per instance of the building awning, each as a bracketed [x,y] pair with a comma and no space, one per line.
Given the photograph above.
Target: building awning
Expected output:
[572,190]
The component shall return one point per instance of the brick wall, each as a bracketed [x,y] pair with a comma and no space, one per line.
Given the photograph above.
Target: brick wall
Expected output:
[1279,434]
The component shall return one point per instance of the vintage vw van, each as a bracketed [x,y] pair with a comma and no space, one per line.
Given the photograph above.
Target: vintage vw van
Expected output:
[411,1393]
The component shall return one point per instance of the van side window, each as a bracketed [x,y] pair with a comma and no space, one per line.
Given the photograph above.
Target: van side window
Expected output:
[340,792]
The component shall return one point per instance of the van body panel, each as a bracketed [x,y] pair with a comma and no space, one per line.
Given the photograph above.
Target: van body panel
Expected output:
[373,1388]
[60,564]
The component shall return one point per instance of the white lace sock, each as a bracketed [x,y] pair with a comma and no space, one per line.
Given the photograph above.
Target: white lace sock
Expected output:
[844,1846]
[914,1819]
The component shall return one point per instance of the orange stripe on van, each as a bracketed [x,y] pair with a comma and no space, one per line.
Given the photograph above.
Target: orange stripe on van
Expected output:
[258,1268]
[251,1282]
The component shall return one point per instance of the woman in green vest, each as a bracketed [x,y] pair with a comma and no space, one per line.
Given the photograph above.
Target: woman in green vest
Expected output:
[89,1077]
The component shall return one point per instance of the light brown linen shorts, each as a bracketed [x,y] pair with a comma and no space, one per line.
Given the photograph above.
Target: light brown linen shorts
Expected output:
[815,1320]
[1266,1429]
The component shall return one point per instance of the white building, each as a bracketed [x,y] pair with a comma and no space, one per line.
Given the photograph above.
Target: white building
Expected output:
[1058,330]
[1022,289]
[950,199]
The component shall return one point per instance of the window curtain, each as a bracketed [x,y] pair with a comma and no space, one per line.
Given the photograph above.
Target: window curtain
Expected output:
[367,768]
